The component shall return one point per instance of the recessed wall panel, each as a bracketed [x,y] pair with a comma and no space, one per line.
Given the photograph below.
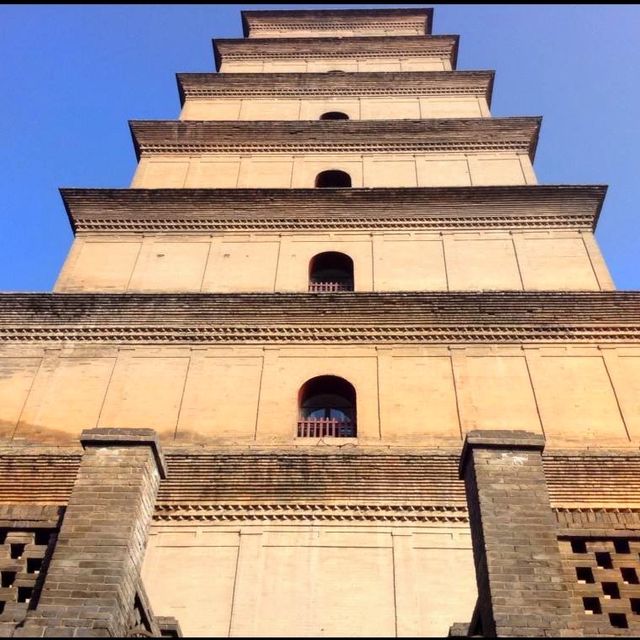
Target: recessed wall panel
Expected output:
[100,266]
[16,378]
[409,265]
[145,392]
[220,398]
[481,263]
[199,593]
[495,392]
[170,266]
[576,400]
[65,398]
[420,401]
[555,263]
[241,266]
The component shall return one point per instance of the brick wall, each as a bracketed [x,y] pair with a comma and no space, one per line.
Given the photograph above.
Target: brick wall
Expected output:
[519,573]
[92,586]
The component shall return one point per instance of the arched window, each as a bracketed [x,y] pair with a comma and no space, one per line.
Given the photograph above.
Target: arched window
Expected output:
[333,178]
[334,115]
[331,271]
[327,406]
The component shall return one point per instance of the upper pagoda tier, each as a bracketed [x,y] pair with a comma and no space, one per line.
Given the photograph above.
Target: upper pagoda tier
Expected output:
[284,85]
[340,23]
[359,53]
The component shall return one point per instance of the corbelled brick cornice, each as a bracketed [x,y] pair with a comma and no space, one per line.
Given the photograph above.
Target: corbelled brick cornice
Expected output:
[230,49]
[255,21]
[455,135]
[283,483]
[337,83]
[424,208]
[302,318]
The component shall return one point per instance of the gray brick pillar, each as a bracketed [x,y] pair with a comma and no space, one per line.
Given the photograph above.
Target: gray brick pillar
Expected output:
[90,587]
[521,590]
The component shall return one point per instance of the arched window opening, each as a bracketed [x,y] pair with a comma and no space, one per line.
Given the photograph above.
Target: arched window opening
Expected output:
[327,408]
[334,115]
[333,178]
[330,272]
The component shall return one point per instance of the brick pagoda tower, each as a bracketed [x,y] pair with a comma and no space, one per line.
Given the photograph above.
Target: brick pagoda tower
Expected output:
[334,365]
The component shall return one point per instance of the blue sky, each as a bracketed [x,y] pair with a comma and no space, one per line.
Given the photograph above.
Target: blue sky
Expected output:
[73,75]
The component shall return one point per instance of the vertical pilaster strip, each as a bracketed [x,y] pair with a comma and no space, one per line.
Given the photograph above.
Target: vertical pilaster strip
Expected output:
[91,584]
[521,589]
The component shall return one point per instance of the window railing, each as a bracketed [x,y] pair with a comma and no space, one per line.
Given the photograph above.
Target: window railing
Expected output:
[326,428]
[316,287]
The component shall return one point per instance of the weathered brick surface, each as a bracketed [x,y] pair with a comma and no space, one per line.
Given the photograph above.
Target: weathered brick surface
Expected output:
[93,579]
[540,309]
[610,480]
[514,206]
[519,134]
[521,585]
[361,83]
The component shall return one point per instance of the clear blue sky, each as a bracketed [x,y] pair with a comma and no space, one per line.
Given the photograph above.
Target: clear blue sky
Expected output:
[72,76]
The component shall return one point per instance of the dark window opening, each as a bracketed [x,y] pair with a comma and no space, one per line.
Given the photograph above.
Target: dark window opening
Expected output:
[334,115]
[578,546]
[610,590]
[331,271]
[24,594]
[34,565]
[621,545]
[629,575]
[603,560]
[8,578]
[42,537]
[618,620]
[333,178]
[592,605]
[17,550]
[585,575]
[327,406]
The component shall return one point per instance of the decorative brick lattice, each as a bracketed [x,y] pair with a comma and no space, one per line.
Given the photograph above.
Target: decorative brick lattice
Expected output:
[603,575]
[24,555]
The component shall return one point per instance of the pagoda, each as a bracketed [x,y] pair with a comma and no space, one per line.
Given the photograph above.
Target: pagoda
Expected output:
[334,365]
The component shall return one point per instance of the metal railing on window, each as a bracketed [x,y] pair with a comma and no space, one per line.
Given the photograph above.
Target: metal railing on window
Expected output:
[326,428]
[316,287]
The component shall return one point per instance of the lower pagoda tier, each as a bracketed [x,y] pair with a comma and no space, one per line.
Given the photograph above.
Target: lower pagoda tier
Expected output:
[358,369]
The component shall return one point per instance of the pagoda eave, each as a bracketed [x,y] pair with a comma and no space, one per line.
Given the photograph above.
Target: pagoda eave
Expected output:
[328,17]
[418,318]
[518,134]
[332,84]
[522,207]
